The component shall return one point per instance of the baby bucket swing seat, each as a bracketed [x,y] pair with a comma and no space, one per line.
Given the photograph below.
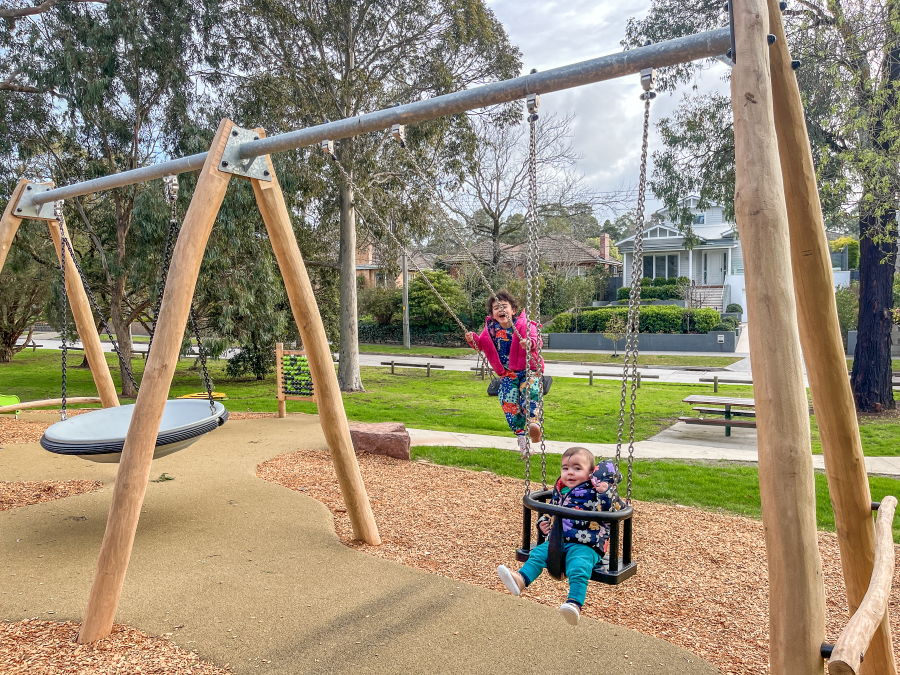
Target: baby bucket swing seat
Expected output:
[100,435]
[612,569]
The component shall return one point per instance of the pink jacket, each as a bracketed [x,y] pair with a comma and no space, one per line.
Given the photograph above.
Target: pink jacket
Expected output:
[516,351]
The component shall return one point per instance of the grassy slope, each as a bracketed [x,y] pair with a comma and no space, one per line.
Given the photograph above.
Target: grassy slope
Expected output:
[712,487]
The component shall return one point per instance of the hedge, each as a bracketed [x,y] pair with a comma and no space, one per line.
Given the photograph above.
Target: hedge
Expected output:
[370,333]
[653,319]
[734,308]
[666,292]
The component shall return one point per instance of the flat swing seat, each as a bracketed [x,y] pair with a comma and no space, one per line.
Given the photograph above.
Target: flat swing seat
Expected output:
[100,435]
[203,396]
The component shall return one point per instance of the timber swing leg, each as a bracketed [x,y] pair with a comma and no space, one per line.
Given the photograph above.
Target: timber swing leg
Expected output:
[312,332]
[137,454]
[826,369]
[78,301]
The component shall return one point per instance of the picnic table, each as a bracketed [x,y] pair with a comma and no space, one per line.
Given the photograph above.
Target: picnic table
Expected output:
[727,404]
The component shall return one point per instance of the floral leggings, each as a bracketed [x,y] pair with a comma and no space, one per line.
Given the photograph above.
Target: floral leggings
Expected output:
[515,394]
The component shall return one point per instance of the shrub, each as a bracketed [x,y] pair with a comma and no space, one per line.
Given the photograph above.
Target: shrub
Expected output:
[425,309]
[646,281]
[731,321]
[734,308]
[562,323]
[683,281]
[623,293]
[381,303]
[852,250]
[615,331]
[722,326]
[653,319]
[847,299]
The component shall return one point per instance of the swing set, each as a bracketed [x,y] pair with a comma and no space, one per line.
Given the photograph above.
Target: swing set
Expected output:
[787,265]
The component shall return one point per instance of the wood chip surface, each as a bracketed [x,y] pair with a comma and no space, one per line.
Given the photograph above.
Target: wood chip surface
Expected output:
[34,647]
[702,577]
[14,494]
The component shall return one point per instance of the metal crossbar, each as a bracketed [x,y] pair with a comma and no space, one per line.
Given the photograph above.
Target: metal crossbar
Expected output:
[669,53]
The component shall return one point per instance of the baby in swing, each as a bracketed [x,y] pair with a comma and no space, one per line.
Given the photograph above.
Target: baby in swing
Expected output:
[505,347]
[582,486]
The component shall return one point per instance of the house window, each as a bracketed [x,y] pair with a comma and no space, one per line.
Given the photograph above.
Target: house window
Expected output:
[699,218]
[672,266]
[648,266]
[660,266]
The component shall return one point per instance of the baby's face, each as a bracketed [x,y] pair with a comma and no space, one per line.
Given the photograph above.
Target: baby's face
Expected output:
[576,469]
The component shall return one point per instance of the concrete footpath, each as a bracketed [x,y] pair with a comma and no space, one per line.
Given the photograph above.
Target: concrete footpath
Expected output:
[251,574]
[680,441]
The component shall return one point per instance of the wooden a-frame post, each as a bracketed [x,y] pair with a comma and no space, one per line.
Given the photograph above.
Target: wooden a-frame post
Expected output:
[823,349]
[786,480]
[137,454]
[78,301]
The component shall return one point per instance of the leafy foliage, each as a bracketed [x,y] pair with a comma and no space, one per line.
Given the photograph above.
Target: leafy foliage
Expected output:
[847,299]
[381,303]
[653,319]
[852,250]
[734,307]
[425,309]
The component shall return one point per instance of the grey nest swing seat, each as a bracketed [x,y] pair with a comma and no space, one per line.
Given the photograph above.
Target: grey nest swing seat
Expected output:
[100,435]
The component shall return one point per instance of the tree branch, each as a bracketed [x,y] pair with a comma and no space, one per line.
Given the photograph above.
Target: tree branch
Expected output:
[46,6]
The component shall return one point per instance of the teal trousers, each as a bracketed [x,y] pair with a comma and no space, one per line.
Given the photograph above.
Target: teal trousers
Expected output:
[580,562]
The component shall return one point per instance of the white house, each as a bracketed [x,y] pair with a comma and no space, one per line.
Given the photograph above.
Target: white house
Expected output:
[715,263]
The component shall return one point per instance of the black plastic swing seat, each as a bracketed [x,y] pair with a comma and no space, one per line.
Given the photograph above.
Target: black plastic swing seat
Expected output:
[611,570]
[100,435]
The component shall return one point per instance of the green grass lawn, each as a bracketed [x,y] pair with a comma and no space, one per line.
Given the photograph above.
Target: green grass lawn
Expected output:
[721,486]
[895,364]
[447,401]
[577,357]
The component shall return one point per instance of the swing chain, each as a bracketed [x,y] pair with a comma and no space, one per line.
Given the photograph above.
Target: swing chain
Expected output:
[359,195]
[170,185]
[60,219]
[629,368]
[533,376]
[66,244]
[448,222]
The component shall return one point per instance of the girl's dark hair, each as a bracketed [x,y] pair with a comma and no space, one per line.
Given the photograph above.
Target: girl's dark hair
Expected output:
[502,296]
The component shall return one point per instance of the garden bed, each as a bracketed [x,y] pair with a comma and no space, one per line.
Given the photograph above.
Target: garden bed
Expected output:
[712,341]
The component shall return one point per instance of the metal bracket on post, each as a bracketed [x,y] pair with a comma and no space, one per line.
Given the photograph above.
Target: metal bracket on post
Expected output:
[328,147]
[533,101]
[648,80]
[233,163]
[28,209]
[398,131]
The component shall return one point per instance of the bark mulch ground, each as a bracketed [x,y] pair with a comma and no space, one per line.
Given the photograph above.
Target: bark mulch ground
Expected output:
[43,647]
[23,493]
[701,582]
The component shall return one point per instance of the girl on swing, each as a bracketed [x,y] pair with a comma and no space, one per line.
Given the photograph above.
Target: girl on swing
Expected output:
[506,352]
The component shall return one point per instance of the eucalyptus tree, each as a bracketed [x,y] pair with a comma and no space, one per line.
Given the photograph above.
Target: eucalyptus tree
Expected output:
[849,78]
[113,80]
[309,61]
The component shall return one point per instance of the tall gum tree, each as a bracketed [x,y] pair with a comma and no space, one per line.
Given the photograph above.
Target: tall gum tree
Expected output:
[316,61]
[116,79]
[848,81]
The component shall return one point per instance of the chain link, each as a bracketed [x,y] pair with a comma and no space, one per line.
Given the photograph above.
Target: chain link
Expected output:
[60,219]
[448,222]
[629,368]
[358,194]
[170,185]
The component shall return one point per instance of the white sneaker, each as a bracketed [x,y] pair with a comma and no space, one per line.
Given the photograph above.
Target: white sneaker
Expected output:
[513,581]
[570,613]
[520,439]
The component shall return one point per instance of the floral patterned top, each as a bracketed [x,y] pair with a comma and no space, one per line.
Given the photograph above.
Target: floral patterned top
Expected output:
[502,339]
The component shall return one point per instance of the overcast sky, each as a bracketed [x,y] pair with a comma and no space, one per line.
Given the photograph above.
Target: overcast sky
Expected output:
[608,114]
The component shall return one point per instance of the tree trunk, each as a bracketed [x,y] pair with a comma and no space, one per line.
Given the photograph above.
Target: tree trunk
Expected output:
[871,378]
[348,364]
[6,353]
[123,339]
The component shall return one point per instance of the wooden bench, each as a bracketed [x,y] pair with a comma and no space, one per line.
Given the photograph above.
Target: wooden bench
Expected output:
[34,346]
[399,364]
[722,411]
[727,403]
[712,421]
[142,352]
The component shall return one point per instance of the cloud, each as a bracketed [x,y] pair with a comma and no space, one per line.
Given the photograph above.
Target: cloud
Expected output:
[609,115]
